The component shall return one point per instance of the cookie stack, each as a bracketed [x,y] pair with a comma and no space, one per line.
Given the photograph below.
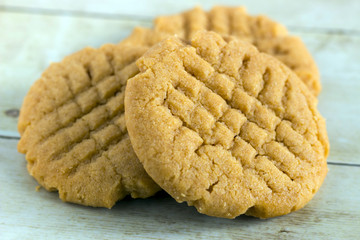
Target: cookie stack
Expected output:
[217,108]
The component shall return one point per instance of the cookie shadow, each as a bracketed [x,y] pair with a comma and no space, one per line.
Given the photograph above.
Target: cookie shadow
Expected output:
[163,210]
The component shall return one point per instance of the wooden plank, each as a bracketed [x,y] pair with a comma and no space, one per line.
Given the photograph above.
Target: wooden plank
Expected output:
[335,15]
[27,214]
[338,58]
[30,41]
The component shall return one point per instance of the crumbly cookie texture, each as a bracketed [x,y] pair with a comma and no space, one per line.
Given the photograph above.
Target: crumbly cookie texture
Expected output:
[225,128]
[73,130]
[268,36]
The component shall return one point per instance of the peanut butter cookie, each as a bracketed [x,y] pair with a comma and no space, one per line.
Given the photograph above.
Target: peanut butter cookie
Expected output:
[73,131]
[268,36]
[225,128]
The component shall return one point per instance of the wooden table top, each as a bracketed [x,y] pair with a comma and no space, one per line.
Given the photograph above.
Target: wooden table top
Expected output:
[35,33]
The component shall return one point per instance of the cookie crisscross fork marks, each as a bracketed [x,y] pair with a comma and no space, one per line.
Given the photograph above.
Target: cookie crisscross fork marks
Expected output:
[79,111]
[223,20]
[218,95]
[216,117]
[99,125]
[257,124]
[83,133]
[77,103]
[81,104]
[268,36]
[290,113]
[268,89]
[66,83]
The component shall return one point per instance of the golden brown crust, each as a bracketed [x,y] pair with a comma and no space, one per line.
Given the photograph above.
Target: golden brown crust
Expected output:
[73,129]
[268,36]
[226,128]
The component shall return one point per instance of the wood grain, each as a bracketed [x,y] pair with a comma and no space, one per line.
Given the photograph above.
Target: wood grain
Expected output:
[338,58]
[36,33]
[330,16]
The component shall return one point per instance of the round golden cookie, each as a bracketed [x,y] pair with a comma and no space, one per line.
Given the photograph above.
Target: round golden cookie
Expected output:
[73,131]
[268,36]
[225,128]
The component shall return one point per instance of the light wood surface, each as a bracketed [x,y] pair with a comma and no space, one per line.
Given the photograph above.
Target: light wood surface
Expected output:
[35,33]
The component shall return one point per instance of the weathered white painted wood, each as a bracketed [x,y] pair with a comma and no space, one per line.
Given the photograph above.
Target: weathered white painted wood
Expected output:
[30,41]
[338,58]
[338,15]
[27,214]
